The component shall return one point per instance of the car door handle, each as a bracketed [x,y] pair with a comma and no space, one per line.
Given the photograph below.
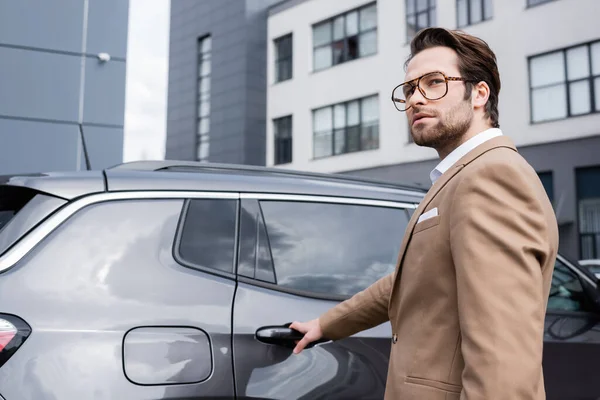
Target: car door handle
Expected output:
[281,335]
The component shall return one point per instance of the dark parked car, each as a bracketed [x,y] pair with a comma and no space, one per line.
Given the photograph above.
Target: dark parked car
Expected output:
[177,280]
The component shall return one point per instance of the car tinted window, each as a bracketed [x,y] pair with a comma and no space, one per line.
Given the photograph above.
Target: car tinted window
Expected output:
[566,292]
[208,234]
[255,256]
[332,249]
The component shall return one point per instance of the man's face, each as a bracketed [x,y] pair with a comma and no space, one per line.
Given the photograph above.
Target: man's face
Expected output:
[438,123]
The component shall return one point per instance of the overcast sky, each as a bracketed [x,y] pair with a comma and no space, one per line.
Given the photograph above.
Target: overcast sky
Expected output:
[147,73]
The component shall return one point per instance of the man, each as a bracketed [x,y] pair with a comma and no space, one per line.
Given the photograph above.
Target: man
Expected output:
[468,297]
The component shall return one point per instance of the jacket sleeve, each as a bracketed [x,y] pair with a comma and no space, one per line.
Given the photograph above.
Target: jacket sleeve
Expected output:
[364,310]
[499,238]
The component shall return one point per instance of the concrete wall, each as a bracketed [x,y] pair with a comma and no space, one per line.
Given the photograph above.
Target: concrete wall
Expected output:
[51,80]
[238,105]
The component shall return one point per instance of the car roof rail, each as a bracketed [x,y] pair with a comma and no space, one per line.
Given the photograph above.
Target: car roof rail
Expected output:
[198,166]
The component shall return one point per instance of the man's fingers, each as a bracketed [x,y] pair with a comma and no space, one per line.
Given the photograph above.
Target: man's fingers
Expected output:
[301,345]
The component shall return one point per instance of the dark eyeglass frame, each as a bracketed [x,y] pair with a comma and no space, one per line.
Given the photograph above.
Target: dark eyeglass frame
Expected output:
[446,79]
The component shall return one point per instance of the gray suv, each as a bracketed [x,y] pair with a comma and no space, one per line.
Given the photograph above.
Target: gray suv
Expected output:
[178,280]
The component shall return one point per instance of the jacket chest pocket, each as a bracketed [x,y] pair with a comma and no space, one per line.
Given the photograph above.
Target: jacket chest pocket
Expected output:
[427,224]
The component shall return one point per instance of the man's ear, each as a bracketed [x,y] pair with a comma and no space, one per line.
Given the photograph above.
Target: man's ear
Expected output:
[481,94]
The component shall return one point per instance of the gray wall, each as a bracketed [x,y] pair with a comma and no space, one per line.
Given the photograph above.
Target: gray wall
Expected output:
[561,158]
[238,79]
[46,93]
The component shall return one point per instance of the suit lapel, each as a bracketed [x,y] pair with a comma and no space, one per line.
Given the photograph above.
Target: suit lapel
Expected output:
[500,141]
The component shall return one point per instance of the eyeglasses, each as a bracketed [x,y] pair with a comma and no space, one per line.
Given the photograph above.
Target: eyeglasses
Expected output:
[433,86]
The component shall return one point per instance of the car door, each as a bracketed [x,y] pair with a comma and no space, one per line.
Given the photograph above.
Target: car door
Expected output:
[298,257]
[571,337]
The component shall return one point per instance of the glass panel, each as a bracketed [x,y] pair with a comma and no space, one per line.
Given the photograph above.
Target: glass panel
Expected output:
[322,34]
[579,97]
[367,44]
[549,103]
[370,136]
[340,141]
[206,45]
[338,52]
[353,136]
[322,144]
[339,116]
[322,120]
[353,113]
[595,48]
[410,6]
[322,57]
[547,69]
[264,262]
[284,70]
[432,17]
[370,109]
[338,28]
[368,18]
[203,149]
[352,48]
[422,21]
[204,109]
[476,11]
[316,247]
[352,23]
[204,68]
[284,47]
[208,234]
[578,64]
[411,26]
[566,291]
[488,9]
[204,85]
[597,93]
[422,5]
[204,126]
[462,13]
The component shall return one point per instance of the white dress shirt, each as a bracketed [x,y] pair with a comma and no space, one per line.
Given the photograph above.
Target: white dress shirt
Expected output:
[461,150]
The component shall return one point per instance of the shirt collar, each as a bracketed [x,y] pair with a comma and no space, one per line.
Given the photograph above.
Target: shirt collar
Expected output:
[461,150]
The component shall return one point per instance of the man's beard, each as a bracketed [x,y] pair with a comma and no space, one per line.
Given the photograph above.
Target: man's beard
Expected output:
[448,131]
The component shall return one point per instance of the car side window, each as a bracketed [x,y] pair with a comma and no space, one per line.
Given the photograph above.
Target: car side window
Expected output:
[566,292]
[207,235]
[332,249]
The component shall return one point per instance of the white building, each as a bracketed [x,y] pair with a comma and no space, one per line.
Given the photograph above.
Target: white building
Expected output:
[340,118]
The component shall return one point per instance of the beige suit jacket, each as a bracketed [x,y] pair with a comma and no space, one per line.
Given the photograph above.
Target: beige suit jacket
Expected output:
[468,297]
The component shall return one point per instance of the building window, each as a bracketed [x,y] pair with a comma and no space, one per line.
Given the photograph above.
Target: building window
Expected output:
[531,3]
[283,58]
[588,202]
[420,14]
[548,182]
[345,37]
[346,127]
[565,83]
[469,12]
[282,129]
[203,99]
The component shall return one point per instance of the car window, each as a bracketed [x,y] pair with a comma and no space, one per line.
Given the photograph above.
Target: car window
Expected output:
[566,292]
[208,234]
[332,249]
[255,259]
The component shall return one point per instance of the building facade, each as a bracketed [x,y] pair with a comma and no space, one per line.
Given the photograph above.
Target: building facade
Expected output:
[331,109]
[217,77]
[62,67]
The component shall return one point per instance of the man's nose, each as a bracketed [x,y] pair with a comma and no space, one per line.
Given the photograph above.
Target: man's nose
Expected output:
[417,98]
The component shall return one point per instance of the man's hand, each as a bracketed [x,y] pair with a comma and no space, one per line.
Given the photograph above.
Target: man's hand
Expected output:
[311,330]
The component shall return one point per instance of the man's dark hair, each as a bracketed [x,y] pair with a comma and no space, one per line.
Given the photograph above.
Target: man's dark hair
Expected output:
[476,61]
